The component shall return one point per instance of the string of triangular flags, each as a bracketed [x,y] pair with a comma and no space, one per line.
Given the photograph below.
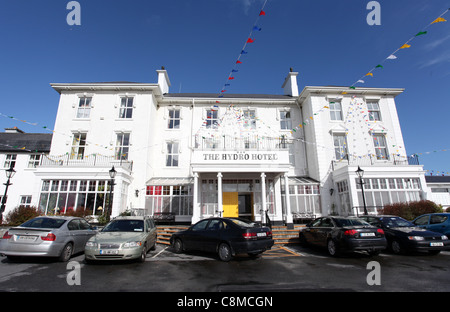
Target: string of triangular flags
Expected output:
[250,39]
[406,45]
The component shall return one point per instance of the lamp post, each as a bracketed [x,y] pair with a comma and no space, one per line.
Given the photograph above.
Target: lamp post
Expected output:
[360,174]
[112,175]
[9,174]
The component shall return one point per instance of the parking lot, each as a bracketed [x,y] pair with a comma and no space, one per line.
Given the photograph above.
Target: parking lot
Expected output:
[284,268]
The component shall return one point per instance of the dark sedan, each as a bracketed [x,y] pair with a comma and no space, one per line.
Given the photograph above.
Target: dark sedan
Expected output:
[339,234]
[404,236]
[225,236]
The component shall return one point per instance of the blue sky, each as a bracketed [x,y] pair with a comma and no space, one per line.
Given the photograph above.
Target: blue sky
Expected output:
[198,41]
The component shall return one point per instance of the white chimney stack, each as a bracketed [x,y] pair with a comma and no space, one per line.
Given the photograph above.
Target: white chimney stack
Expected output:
[163,80]
[290,84]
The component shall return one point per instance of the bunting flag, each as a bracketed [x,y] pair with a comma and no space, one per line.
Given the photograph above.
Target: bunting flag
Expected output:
[406,45]
[438,20]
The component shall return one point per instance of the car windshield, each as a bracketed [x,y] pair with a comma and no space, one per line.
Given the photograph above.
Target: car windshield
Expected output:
[350,222]
[44,223]
[124,226]
[396,222]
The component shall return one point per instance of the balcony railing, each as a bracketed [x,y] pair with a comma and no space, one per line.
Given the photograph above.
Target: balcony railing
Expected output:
[247,142]
[93,160]
[370,160]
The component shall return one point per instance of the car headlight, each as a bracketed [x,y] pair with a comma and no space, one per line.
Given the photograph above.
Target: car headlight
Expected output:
[444,237]
[416,238]
[91,244]
[132,244]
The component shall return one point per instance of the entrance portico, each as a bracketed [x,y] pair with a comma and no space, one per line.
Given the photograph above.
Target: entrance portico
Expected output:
[242,184]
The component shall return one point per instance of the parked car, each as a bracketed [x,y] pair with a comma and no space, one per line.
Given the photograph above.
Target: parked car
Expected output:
[404,236]
[436,222]
[225,236]
[47,236]
[121,239]
[340,234]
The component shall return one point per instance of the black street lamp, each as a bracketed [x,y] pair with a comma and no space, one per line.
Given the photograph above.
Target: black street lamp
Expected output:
[360,174]
[112,175]
[9,174]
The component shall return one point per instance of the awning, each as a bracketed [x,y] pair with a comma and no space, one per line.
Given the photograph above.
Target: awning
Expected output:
[302,181]
[170,181]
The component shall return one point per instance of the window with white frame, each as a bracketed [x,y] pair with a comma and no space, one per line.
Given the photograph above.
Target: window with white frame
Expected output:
[379,192]
[126,108]
[122,146]
[10,161]
[176,199]
[381,150]
[344,197]
[249,119]
[212,118]
[304,199]
[285,120]
[374,110]
[62,196]
[340,146]
[34,160]
[335,110]
[174,119]
[25,200]
[172,154]
[78,145]
[84,107]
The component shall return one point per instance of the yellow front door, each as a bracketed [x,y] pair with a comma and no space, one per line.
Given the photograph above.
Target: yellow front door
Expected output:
[230,204]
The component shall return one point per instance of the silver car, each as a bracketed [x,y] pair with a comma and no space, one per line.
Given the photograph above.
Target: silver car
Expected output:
[47,236]
[121,239]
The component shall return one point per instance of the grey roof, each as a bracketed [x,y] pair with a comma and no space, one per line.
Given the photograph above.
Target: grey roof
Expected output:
[229,96]
[437,179]
[25,142]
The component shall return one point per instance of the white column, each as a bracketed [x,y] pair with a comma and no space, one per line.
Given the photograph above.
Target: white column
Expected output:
[195,204]
[219,194]
[263,197]
[289,218]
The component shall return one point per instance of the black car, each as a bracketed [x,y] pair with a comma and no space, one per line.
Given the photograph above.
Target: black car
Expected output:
[339,234]
[404,236]
[225,236]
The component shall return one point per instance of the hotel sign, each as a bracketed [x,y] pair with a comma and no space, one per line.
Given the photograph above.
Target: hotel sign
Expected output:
[240,156]
[244,157]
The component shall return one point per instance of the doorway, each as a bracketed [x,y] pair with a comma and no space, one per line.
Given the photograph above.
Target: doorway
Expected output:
[245,204]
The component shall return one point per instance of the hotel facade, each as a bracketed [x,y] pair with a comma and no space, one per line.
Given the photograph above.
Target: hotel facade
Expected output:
[187,156]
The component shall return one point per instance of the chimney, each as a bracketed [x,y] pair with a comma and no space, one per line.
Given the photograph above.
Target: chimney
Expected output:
[163,80]
[290,84]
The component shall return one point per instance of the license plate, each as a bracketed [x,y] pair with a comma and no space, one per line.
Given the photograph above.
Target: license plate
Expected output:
[25,238]
[109,252]
[436,244]
[263,234]
[367,234]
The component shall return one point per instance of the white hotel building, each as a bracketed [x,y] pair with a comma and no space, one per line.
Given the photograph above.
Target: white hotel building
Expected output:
[283,158]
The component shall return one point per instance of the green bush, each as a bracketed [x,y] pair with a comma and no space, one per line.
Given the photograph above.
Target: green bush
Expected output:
[21,214]
[411,210]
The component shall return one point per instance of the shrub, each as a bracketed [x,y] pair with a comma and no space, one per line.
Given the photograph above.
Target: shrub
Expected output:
[21,214]
[411,210]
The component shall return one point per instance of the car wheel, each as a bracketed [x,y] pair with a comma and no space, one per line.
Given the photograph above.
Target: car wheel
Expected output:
[143,254]
[396,247]
[66,253]
[332,248]
[224,252]
[178,246]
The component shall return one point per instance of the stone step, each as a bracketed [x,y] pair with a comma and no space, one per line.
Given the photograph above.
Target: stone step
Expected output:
[281,234]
